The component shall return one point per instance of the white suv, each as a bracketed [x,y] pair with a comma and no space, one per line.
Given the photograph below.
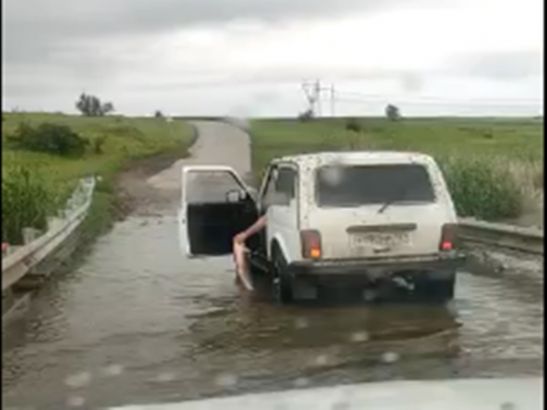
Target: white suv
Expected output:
[368,220]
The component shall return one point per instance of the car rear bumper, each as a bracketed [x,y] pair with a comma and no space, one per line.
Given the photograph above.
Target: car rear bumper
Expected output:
[437,266]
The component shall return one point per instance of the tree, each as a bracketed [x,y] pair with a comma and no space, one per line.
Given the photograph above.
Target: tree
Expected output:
[305,116]
[107,107]
[91,106]
[158,114]
[392,112]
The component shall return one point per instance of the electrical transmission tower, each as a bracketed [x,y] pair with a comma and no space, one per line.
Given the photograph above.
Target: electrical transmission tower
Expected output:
[312,90]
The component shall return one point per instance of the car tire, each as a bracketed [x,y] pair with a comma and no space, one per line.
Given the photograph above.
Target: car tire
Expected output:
[281,282]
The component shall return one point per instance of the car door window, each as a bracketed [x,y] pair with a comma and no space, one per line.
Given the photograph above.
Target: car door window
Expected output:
[280,187]
[210,186]
[284,190]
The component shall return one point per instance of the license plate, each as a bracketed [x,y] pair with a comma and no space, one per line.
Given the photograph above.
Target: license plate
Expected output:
[379,239]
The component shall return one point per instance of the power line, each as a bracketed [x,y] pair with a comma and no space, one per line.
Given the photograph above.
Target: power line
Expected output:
[439,99]
[438,103]
[313,92]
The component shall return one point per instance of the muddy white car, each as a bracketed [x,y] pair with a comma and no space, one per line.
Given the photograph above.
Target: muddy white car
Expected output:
[373,221]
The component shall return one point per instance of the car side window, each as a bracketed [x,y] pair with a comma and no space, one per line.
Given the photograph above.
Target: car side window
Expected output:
[285,186]
[280,187]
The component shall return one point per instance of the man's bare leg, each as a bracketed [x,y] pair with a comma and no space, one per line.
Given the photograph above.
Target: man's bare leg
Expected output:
[242,270]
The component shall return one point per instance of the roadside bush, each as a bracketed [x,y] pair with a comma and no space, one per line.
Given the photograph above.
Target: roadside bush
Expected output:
[482,190]
[50,138]
[353,125]
[26,202]
[98,144]
[488,135]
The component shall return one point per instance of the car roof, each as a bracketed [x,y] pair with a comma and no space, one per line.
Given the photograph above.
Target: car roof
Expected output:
[319,158]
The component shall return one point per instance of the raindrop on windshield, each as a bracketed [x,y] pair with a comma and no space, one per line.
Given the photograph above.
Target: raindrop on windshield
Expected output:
[75,401]
[78,380]
[226,380]
[113,370]
[369,295]
[332,175]
[361,336]
[165,377]
[390,357]
[301,323]
[301,382]
[321,360]
[340,405]
[508,406]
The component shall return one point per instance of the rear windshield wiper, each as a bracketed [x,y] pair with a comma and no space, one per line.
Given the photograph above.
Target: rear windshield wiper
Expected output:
[385,205]
[395,198]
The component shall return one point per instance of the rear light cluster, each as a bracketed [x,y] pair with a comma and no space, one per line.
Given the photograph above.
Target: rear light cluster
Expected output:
[448,237]
[311,244]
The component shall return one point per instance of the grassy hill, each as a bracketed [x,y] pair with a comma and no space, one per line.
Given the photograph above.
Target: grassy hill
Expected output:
[53,177]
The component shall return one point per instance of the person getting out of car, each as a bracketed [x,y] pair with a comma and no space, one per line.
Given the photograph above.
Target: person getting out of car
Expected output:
[239,251]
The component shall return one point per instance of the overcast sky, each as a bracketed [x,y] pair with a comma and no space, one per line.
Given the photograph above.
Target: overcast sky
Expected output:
[249,57]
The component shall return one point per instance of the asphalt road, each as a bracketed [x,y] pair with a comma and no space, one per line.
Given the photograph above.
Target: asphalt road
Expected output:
[137,322]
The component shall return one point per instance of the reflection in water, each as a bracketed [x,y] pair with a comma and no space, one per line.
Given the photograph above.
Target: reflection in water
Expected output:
[139,323]
[263,324]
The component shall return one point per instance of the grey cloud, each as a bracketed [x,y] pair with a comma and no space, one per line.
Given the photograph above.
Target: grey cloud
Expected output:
[34,30]
[277,74]
[499,65]
[59,41]
[124,16]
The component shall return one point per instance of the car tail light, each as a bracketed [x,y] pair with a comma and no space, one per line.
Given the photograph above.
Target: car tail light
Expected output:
[448,237]
[311,244]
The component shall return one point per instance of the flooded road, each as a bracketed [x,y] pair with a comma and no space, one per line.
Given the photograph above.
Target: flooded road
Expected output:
[138,323]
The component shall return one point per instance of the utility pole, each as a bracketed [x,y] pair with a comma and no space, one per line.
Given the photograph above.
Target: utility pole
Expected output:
[309,96]
[318,96]
[332,100]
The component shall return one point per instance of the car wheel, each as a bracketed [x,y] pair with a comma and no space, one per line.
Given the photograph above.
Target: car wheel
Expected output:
[282,284]
[445,289]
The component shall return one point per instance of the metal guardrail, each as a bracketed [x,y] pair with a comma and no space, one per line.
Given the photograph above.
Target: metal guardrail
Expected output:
[528,240]
[17,264]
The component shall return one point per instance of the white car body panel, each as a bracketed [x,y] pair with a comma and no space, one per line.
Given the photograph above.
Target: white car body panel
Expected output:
[283,226]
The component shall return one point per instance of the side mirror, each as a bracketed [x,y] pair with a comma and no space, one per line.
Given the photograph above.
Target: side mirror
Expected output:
[235,196]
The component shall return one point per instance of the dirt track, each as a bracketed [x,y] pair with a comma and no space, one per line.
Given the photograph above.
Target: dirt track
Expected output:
[153,186]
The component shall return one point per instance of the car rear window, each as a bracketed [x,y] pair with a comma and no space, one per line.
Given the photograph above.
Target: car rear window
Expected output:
[371,184]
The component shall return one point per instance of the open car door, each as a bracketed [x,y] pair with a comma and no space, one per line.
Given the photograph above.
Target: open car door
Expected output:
[216,205]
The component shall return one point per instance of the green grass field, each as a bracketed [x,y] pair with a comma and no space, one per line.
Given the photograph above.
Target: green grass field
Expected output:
[126,139]
[504,152]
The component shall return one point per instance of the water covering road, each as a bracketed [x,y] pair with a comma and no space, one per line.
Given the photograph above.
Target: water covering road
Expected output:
[137,322]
